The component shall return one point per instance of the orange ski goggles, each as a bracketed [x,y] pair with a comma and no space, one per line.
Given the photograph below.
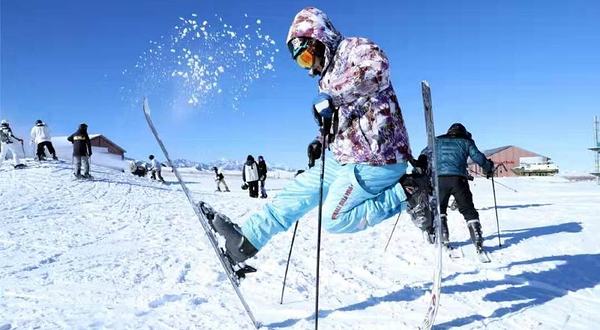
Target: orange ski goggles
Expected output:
[306,59]
[302,53]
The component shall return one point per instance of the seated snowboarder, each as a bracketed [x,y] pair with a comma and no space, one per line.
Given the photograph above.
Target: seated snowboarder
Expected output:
[138,168]
[40,135]
[453,149]
[155,169]
[358,110]
[220,179]
[82,151]
[7,143]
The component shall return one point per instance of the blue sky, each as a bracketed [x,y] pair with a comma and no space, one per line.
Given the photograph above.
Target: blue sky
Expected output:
[524,73]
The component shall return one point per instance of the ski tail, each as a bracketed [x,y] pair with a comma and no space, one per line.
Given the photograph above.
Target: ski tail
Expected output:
[201,217]
[436,288]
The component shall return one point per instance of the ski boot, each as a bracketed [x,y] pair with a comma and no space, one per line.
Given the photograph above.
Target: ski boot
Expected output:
[87,177]
[237,247]
[416,187]
[77,176]
[476,235]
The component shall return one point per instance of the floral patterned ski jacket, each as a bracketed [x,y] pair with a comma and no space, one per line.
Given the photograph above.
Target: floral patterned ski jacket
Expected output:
[356,75]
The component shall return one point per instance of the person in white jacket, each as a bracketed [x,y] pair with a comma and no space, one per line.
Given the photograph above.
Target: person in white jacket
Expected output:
[155,169]
[40,135]
[250,176]
[7,142]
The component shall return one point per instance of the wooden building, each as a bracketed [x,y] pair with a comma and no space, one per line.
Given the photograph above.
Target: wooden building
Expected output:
[99,140]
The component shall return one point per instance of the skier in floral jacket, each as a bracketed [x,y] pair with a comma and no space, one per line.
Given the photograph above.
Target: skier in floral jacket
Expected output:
[358,109]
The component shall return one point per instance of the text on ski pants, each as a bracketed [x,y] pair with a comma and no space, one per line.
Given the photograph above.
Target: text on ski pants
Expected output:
[354,196]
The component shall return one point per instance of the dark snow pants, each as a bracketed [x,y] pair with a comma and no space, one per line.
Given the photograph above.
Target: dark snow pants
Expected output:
[154,174]
[457,186]
[253,189]
[40,149]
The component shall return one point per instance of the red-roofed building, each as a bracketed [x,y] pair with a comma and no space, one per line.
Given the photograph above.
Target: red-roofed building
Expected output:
[517,162]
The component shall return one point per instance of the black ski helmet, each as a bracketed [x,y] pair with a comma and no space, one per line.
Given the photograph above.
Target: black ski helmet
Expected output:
[457,129]
[151,157]
[39,121]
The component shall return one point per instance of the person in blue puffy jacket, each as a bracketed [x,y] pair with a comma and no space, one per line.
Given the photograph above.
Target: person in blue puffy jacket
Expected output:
[453,150]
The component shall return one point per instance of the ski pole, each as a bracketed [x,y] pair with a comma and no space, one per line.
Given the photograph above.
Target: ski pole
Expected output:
[288,263]
[496,208]
[503,185]
[392,234]
[320,218]
[23,147]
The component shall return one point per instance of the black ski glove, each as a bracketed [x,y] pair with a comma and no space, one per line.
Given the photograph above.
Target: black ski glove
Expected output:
[314,152]
[421,164]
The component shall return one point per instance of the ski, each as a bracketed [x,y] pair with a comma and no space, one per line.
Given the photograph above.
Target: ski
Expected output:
[452,251]
[483,256]
[436,289]
[234,277]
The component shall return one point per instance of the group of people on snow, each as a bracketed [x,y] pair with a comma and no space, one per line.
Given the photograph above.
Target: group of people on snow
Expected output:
[141,169]
[40,138]
[360,121]
[253,174]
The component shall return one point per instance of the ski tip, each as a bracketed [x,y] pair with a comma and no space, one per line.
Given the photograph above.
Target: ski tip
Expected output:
[425,83]
[145,105]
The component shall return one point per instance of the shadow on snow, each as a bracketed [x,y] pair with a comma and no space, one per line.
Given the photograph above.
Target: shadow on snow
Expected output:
[529,289]
[404,294]
[514,207]
[512,237]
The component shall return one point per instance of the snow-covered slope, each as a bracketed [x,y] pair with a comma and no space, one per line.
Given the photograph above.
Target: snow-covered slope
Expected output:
[122,252]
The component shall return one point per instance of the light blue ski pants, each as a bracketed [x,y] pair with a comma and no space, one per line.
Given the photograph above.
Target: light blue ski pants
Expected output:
[355,196]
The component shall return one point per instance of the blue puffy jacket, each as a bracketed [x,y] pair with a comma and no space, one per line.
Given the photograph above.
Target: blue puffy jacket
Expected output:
[452,154]
[454,148]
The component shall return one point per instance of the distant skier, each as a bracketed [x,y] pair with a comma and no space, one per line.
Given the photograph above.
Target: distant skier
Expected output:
[250,176]
[40,135]
[82,151]
[262,176]
[220,179]
[453,150]
[7,140]
[155,169]
[367,136]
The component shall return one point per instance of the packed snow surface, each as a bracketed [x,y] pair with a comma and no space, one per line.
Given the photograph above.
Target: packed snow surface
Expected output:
[122,252]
